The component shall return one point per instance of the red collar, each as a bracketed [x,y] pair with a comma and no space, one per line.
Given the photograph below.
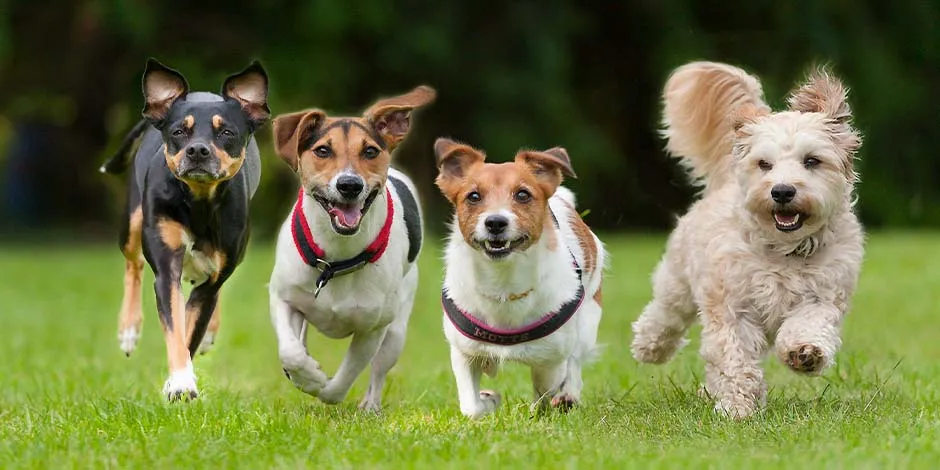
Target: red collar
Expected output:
[314,255]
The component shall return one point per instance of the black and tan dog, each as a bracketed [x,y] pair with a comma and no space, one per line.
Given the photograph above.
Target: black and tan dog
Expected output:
[195,170]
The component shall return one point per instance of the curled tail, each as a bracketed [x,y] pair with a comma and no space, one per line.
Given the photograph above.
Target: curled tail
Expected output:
[698,101]
[123,156]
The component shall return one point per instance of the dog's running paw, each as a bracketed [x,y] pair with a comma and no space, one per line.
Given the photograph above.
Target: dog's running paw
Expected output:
[181,386]
[564,402]
[332,394]
[370,405]
[806,359]
[736,409]
[305,374]
[128,339]
[207,341]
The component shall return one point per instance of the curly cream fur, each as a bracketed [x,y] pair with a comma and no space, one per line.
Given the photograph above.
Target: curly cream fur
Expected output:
[753,286]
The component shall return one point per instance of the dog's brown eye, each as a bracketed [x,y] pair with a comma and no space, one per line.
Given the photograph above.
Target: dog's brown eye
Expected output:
[227,133]
[810,162]
[322,151]
[370,152]
[764,165]
[177,133]
[522,196]
[474,197]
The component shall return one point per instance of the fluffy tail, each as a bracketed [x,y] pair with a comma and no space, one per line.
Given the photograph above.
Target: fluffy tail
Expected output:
[122,158]
[698,101]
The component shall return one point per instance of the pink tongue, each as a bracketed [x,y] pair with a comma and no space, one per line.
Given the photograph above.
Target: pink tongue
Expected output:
[786,219]
[347,215]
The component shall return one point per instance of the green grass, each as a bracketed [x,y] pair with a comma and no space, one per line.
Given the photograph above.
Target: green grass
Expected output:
[71,399]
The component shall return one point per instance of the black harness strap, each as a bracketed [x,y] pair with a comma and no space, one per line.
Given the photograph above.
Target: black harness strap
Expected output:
[412,217]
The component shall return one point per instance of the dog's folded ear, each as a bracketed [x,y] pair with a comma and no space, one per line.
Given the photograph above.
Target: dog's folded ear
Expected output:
[549,166]
[162,86]
[391,117]
[250,88]
[292,130]
[453,161]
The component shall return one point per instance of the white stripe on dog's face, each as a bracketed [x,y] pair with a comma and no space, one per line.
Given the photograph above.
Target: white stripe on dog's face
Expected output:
[501,208]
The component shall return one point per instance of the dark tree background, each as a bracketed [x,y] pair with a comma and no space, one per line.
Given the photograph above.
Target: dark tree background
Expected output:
[584,75]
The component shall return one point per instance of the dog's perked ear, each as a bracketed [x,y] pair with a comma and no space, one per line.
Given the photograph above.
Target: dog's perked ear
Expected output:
[161,86]
[453,161]
[549,166]
[250,88]
[291,131]
[825,94]
[746,114]
[391,117]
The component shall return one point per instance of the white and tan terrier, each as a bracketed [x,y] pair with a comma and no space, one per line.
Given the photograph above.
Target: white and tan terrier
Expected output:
[769,257]
[346,256]
[523,280]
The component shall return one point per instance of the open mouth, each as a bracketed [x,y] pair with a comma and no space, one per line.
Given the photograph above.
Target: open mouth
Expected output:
[498,249]
[788,221]
[346,216]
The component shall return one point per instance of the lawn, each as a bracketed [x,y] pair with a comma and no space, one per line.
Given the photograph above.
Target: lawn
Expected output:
[71,399]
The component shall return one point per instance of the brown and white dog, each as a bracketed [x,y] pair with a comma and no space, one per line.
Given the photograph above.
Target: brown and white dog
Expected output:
[523,280]
[345,259]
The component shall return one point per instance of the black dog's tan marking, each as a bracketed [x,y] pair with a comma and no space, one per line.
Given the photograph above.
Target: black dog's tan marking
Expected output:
[196,169]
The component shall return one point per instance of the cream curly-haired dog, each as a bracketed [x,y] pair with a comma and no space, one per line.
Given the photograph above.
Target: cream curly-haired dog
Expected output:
[770,255]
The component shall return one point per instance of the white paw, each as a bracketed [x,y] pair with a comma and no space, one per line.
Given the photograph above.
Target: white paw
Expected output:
[371,405]
[489,401]
[332,393]
[181,385]
[207,341]
[128,339]
[737,408]
[304,372]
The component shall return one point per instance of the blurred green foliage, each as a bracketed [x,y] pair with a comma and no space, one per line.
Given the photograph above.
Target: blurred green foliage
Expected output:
[584,75]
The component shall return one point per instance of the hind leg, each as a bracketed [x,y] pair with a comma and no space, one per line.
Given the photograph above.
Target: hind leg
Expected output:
[660,330]
[211,330]
[130,319]
[391,346]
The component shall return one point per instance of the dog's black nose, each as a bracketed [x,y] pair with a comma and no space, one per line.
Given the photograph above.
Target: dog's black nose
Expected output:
[496,224]
[197,151]
[782,193]
[349,186]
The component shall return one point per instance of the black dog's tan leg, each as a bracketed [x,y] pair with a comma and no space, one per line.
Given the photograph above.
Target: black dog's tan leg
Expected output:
[167,261]
[131,318]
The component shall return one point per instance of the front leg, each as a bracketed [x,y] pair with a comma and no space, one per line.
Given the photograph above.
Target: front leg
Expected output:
[808,340]
[474,403]
[361,350]
[165,253]
[290,328]
[732,346]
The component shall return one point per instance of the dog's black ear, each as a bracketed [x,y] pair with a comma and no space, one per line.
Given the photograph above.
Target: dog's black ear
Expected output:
[392,116]
[291,130]
[453,161]
[250,88]
[162,86]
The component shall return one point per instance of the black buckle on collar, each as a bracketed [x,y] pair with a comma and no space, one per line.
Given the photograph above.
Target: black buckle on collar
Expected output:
[338,268]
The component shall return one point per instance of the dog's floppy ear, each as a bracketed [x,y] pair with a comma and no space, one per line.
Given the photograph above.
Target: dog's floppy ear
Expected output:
[549,166]
[391,117]
[250,88]
[162,86]
[453,161]
[291,130]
